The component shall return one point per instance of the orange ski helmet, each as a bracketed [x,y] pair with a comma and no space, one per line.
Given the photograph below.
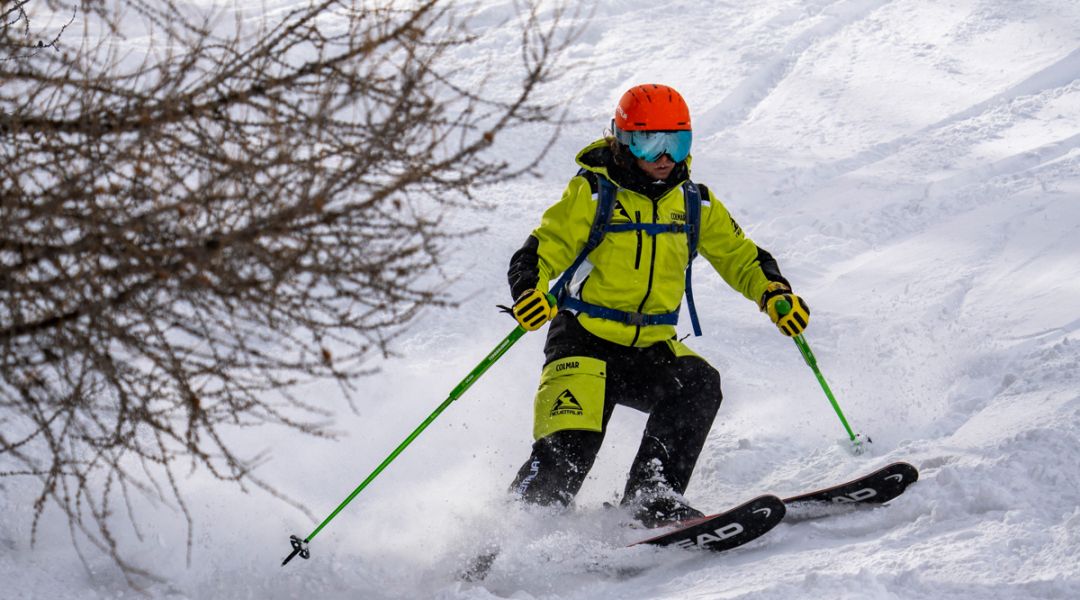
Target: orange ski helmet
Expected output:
[652,120]
[652,107]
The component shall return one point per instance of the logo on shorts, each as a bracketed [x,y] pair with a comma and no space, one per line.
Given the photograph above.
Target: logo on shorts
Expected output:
[566,404]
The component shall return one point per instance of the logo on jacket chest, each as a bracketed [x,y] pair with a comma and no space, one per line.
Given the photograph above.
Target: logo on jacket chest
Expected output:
[621,215]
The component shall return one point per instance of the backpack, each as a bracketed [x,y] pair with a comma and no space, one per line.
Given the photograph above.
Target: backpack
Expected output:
[601,225]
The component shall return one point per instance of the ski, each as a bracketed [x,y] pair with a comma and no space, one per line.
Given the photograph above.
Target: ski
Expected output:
[873,489]
[725,530]
[722,531]
[749,521]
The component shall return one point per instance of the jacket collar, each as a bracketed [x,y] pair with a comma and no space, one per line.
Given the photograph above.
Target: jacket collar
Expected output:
[597,157]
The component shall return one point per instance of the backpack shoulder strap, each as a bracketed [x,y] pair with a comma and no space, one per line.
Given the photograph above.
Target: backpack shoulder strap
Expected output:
[605,192]
[592,177]
[692,194]
[605,206]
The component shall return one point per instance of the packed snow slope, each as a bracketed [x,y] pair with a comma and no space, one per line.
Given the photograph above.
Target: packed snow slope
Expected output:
[914,165]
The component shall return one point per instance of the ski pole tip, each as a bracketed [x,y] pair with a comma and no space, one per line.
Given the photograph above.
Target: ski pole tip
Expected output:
[300,547]
[859,443]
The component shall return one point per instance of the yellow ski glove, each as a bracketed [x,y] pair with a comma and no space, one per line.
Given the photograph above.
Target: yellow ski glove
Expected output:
[534,308]
[794,320]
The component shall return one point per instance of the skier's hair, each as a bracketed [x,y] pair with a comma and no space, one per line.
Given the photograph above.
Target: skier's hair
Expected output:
[620,153]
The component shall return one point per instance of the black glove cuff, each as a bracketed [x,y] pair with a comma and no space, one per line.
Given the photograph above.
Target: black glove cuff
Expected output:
[524,274]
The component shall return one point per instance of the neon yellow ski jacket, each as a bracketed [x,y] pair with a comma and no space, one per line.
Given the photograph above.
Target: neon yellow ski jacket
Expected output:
[633,271]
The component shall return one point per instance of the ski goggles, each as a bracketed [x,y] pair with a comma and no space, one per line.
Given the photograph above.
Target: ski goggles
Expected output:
[651,145]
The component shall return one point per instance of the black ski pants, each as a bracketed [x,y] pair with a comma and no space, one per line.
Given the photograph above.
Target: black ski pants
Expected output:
[680,394]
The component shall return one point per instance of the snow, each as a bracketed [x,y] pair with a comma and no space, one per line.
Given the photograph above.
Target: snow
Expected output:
[915,167]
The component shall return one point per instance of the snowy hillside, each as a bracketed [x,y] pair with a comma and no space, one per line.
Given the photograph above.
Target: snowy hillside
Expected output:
[914,165]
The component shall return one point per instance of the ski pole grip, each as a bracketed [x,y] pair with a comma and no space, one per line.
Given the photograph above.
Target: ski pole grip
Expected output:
[783,307]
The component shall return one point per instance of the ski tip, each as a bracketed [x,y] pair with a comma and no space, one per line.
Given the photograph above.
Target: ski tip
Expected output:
[770,506]
[909,471]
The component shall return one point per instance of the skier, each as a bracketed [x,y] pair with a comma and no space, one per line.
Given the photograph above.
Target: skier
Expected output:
[612,336]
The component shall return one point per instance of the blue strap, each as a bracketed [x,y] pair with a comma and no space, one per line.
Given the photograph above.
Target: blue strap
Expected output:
[692,195]
[652,229]
[622,316]
[604,206]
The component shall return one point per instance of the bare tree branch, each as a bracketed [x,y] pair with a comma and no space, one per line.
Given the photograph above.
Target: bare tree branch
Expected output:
[200,213]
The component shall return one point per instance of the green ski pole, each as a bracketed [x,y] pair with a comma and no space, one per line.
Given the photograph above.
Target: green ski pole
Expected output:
[300,546]
[784,308]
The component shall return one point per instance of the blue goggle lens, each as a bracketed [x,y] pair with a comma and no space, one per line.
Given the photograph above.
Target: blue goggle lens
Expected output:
[651,145]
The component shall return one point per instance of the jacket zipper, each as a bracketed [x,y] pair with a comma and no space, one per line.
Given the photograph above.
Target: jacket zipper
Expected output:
[652,268]
[637,259]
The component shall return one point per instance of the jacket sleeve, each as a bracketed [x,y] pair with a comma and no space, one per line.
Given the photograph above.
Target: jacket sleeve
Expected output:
[553,246]
[745,267]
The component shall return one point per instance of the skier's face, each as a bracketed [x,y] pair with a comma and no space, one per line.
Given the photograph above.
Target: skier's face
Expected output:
[660,169]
